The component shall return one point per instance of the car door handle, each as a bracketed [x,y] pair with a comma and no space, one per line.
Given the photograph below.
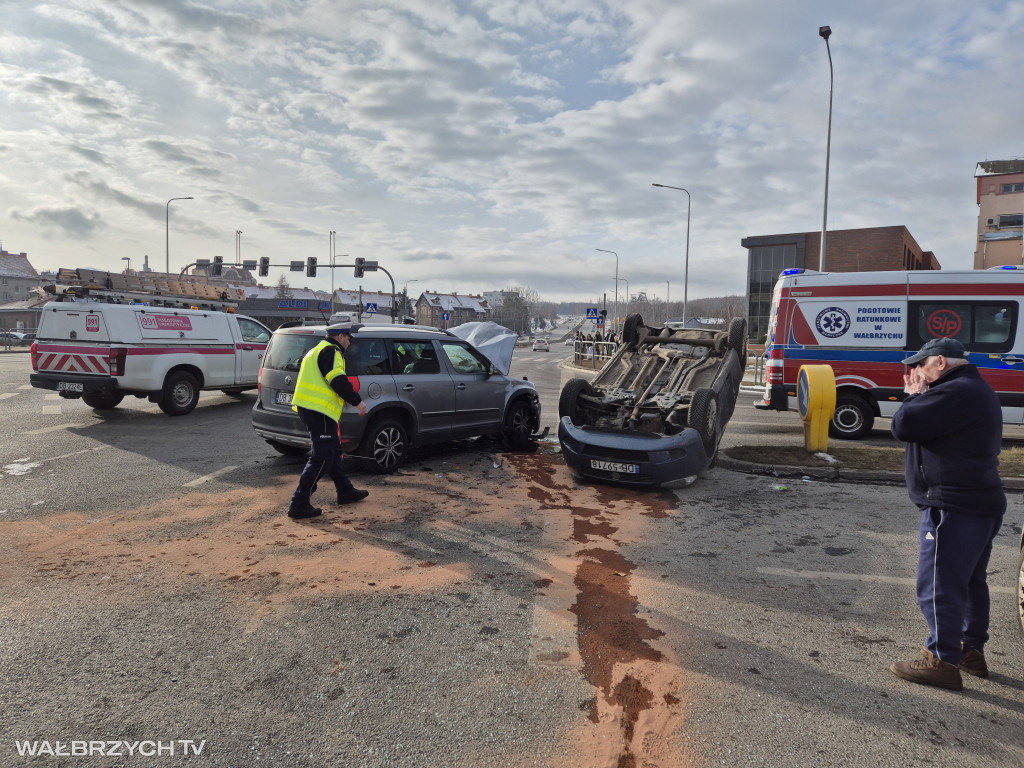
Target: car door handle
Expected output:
[460,386]
[1013,359]
[409,388]
[247,349]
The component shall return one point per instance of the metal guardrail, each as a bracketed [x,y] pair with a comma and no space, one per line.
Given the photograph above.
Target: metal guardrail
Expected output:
[593,354]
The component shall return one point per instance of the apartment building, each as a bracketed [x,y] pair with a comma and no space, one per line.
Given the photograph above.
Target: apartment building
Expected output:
[1000,213]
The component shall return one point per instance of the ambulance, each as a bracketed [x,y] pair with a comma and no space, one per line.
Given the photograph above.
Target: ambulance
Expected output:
[864,324]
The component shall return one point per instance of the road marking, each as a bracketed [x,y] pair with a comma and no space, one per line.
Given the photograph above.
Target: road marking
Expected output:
[5,395]
[862,577]
[209,477]
[25,386]
[44,430]
[50,410]
[52,397]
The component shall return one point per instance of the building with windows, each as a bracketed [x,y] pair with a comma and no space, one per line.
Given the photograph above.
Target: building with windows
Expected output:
[17,277]
[444,310]
[1000,213]
[847,250]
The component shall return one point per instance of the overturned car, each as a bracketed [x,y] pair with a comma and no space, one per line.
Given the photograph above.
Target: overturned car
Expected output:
[655,413]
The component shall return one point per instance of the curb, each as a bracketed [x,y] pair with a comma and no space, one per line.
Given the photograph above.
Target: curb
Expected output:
[834,474]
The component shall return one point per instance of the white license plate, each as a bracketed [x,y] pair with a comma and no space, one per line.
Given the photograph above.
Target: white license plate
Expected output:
[284,398]
[614,466]
[70,386]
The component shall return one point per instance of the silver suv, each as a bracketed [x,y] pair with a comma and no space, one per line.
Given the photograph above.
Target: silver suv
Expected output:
[421,385]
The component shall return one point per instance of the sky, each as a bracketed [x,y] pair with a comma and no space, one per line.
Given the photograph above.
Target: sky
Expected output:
[474,145]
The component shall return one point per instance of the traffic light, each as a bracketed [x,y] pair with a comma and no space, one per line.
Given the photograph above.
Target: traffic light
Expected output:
[218,266]
[311,266]
[264,266]
[359,266]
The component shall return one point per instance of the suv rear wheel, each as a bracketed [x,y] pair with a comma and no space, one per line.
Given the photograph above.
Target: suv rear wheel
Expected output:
[704,418]
[385,445]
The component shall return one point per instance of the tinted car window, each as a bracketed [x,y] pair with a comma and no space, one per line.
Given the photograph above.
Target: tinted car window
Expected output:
[367,357]
[415,357]
[286,350]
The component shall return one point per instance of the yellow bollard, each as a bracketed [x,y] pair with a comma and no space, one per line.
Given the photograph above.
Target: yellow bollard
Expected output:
[816,398]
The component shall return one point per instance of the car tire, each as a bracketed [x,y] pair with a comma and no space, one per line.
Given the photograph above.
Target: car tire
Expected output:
[704,418]
[385,445]
[1020,592]
[287,450]
[103,401]
[738,338]
[630,328]
[180,394]
[520,424]
[568,400]
[853,418]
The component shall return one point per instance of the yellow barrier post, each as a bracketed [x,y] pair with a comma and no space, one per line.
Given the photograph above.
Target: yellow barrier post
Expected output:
[816,398]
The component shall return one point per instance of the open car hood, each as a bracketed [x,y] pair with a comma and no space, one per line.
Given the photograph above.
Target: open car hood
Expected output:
[494,341]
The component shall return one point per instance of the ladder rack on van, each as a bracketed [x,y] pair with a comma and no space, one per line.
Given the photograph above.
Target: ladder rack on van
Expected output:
[115,288]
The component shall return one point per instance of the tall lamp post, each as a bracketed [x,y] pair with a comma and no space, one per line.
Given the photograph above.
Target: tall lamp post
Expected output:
[167,230]
[127,269]
[825,32]
[686,267]
[330,257]
[616,309]
[405,290]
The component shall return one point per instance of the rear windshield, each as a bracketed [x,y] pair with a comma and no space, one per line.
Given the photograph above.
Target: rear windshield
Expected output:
[365,357]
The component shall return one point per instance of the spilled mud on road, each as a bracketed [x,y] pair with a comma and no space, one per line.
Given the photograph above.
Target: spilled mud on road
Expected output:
[637,710]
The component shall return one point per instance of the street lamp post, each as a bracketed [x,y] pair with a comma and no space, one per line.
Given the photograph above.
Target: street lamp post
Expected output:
[616,308]
[330,256]
[128,269]
[686,268]
[825,32]
[405,290]
[167,231]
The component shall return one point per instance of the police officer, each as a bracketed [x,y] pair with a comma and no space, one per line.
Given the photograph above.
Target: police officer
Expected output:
[952,424]
[321,392]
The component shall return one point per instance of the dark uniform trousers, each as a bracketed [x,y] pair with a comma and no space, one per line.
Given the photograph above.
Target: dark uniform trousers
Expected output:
[951,587]
[324,458]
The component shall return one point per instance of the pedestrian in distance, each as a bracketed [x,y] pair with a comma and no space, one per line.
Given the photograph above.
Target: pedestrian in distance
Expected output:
[321,392]
[952,425]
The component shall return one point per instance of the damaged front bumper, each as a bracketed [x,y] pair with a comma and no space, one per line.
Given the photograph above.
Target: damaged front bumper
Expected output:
[630,458]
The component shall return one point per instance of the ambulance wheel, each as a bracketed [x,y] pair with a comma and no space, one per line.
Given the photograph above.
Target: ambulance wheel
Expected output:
[853,418]
[103,401]
[385,445]
[180,395]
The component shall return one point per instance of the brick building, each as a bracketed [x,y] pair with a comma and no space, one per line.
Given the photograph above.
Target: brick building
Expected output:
[847,250]
[1000,213]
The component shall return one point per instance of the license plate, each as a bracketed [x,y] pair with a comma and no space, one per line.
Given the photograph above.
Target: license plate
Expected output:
[70,386]
[614,466]
[284,398]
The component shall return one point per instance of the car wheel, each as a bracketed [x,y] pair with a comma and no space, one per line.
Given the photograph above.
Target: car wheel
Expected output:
[385,445]
[103,401]
[568,401]
[233,392]
[738,338]
[853,418]
[180,395]
[287,450]
[629,328]
[704,418]
[520,424]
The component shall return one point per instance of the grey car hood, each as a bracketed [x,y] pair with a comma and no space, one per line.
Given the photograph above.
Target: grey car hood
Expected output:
[494,341]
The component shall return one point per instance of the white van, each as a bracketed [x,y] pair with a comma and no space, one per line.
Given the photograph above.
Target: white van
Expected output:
[864,324]
[102,352]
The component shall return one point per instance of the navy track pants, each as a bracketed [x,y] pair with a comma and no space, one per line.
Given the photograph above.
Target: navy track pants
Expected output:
[324,458]
[951,586]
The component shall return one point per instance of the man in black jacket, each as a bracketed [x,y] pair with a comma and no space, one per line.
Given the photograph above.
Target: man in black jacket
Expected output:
[952,424]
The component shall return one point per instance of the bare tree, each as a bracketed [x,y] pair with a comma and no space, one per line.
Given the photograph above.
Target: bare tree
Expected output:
[284,290]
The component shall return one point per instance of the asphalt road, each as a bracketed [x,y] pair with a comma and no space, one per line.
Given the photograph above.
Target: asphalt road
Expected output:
[763,614]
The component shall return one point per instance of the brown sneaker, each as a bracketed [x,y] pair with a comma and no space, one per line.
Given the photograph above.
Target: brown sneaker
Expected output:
[973,663]
[928,670]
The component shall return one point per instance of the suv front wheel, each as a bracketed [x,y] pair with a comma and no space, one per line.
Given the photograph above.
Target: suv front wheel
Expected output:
[521,423]
[385,445]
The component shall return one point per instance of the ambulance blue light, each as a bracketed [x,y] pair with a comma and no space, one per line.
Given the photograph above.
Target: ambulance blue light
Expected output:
[1010,266]
[787,272]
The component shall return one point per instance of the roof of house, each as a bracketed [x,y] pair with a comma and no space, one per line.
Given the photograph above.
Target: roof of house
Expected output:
[16,265]
[993,167]
[450,301]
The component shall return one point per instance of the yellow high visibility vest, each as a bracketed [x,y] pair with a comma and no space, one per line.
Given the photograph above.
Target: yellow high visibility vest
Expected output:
[313,390]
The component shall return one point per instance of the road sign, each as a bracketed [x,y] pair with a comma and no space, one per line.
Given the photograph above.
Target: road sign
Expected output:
[445,316]
[592,313]
[370,308]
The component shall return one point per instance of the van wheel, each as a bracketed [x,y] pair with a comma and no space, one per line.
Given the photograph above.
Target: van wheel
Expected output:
[103,401]
[853,418]
[520,424]
[287,450]
[385,445]
[569,401]
[704,418]
[180,395]
[629,328]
